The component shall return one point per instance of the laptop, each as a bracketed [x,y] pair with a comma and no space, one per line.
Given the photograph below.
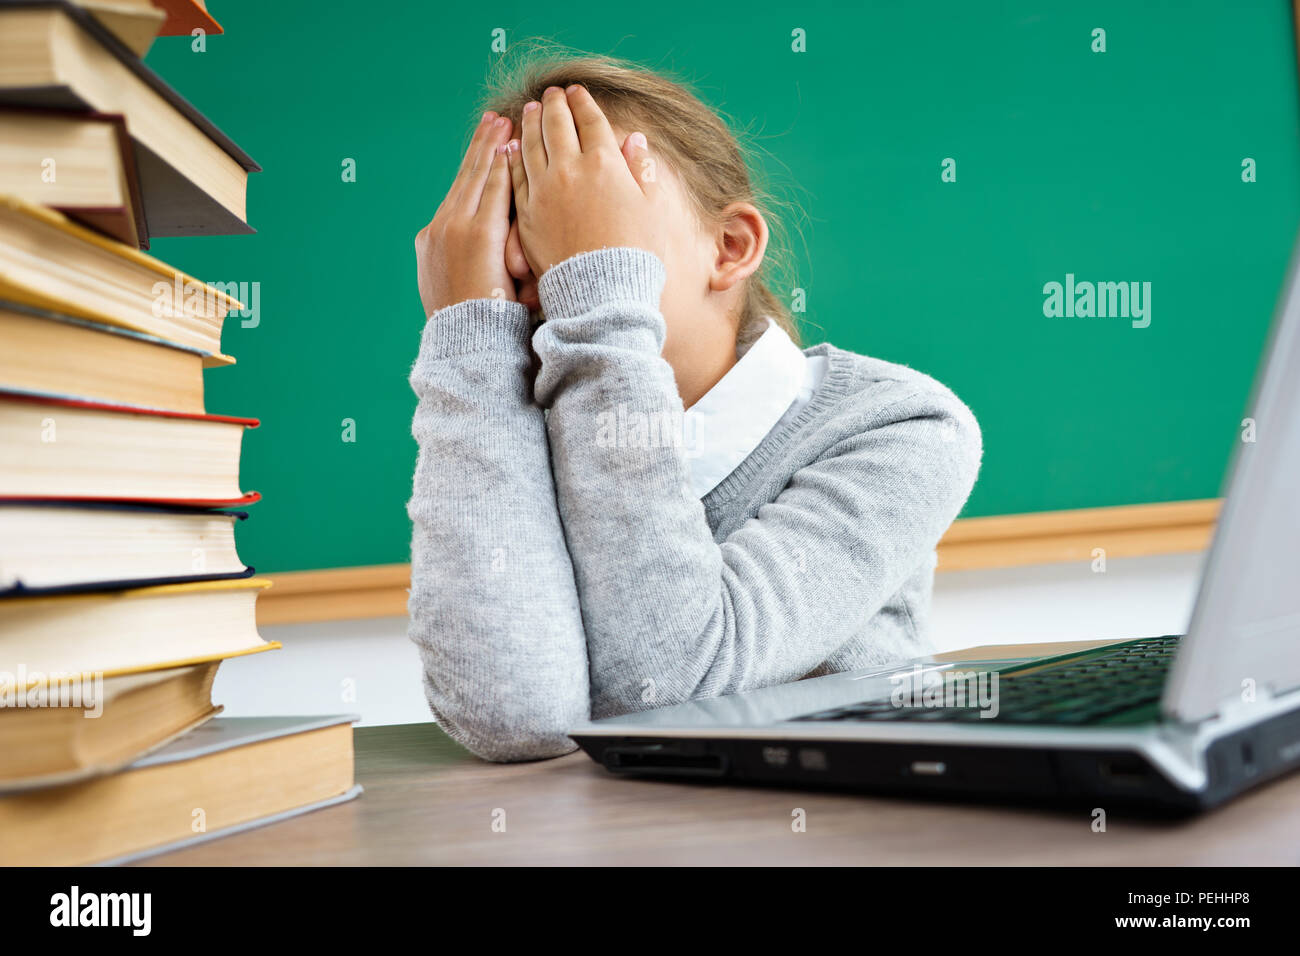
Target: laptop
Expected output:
[1175,723]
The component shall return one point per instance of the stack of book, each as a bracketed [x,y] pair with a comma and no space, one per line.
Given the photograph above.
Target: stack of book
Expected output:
[121,589]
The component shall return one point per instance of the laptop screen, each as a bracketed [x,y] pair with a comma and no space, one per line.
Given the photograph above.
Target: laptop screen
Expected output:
[1244,639]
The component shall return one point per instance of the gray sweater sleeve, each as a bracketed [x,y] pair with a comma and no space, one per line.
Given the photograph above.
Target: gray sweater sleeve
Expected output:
[493,608]
[669,613]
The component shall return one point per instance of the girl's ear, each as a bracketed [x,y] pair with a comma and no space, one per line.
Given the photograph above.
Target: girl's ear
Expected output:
[741,243]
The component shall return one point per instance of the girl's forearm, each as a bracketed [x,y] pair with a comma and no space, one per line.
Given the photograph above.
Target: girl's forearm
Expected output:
[493,606]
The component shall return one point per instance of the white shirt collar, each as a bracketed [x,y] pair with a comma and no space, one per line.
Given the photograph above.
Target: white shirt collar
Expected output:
[725,426]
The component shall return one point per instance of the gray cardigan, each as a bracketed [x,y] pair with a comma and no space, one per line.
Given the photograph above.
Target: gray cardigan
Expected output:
[557,574]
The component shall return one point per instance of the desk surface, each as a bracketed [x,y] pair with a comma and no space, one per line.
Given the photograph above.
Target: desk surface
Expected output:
[427,801]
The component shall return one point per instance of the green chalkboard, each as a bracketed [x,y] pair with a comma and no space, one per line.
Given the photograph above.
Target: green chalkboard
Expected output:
[1117,166]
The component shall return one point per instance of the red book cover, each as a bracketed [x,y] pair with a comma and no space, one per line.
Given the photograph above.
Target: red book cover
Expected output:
[67,402]
[184,15]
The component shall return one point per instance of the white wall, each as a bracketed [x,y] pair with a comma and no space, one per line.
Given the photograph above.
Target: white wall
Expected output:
[307,675]
[1134,597]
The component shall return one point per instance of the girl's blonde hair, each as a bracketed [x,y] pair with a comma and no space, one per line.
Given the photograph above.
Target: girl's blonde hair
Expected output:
[694,140]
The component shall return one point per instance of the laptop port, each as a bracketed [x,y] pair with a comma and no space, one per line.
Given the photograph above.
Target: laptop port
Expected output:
[1124,770]
[663,759]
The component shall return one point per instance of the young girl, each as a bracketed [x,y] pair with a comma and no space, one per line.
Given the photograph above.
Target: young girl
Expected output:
[675,501]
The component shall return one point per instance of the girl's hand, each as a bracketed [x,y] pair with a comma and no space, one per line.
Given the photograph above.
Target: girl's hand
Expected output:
[461,255]
[575,189]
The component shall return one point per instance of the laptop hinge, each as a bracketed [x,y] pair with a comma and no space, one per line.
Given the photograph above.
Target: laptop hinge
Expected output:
[1238,710]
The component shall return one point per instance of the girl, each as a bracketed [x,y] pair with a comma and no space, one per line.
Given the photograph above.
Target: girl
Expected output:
[675,501]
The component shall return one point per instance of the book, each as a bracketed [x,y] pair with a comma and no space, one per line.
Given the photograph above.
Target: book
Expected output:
[49,262]
[45,352]
[81,165]
[98,726]
[185,16]
[126,632]
[193,178]
[53,447]
[225,776]
[63,546]
[134,22]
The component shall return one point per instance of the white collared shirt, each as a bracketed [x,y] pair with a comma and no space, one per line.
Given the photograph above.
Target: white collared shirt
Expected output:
[772,378]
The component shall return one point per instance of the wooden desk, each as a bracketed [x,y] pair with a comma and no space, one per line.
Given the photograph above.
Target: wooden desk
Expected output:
[429,802]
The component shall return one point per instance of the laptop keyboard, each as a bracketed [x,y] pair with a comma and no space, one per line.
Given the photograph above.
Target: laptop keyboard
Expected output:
[1122,684]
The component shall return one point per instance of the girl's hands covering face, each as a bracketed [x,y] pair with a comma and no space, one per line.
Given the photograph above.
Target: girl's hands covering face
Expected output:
[575,189]
[461,254]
